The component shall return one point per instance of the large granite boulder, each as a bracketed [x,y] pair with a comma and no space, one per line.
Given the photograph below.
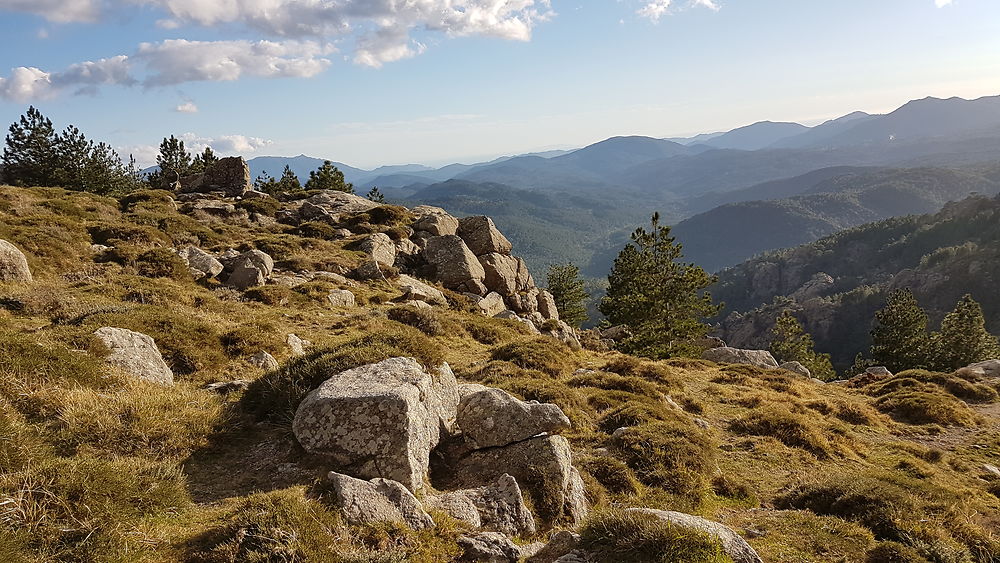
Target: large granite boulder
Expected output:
[727,355]
[501,273]
[434,220]
[380,420]
[202,264]
[547,305]
[482,235]
[251,269]
[498,507]
[455,265]
[377,500]
[989,368]
[493,417]
[796,368]
[333,203]
[492,305]
[732,543]
[135,353]
[229,175]
[13,264]
[542,466]
[380,248]
[416,290]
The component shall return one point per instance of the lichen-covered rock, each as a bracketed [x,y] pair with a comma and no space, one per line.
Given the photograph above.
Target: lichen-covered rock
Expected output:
[298,345]
[334,203]
[416,290]
[492,305]
[377,500]
[434,220]
[135,353]
[455,265]
[547,305]
[493,417]
[380,420]
[341,298]
[251,269]
[230,175]
[488,547]
[542,466]
[560,543]
[758,358]
[202,264]
[797,368]
[482,235]
[264,361]
[498,507]
[380,248]
[13,264]
[732,543]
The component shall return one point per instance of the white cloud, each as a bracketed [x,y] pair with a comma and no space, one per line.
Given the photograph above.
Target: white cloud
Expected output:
[187,107]
[177,61]
[58,11]
[386,45]
[942,3]
[42,33]
[656,9]
[87,76]
[168,24]
[25,84]
[224,145]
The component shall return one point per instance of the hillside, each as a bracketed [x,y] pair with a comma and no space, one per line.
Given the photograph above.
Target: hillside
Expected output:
[734,232]
[838,282]
[99,464]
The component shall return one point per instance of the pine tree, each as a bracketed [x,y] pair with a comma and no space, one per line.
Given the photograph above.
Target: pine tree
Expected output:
[202,161]
[265,183]
[567,290]
[105,174]
[328,177]
[30,157]
[375,195]
[73,152]
[174,162]
[661,299]
[791,343]
[899,337]
[963,338]
[289,182]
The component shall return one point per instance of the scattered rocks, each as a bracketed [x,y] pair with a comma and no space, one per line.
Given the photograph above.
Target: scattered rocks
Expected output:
[13,264]
[136,354]
[732,543]
[341,298]
[498,507]
[380,420]
[493,417]
[378,500]
[757,358]
[264,361]
[202,264]
[482,236]
[488,547]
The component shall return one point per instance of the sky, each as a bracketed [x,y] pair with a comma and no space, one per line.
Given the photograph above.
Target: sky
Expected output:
[380,82]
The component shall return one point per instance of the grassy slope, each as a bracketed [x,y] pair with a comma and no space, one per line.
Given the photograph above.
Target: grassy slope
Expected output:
[95,467]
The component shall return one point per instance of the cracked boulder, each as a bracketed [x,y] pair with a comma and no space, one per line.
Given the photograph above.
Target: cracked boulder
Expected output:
[498,507]
[456,267]
[493,417]
[482,235]
[380,420]
[377,500]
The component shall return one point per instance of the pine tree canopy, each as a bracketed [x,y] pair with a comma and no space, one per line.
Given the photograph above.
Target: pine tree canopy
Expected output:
[567,290]
[328,177]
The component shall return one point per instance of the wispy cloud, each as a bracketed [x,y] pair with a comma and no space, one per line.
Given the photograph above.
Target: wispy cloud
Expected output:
[655,9]
[187,107]
[942,3]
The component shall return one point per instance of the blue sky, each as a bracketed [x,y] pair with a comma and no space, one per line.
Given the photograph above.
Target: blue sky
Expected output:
[434,81]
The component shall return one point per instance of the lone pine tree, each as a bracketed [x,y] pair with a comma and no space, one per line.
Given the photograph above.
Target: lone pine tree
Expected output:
[791,343]
[567,290]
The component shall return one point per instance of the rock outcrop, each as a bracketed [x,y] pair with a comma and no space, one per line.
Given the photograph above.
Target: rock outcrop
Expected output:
[135,353]
[251,269]
[757,358]
[229,175]
[488,547]
[456,267]
[377,500]
[416,290]
[380,420]
[797,368]
[13,264]
[498,507]
[482,236]
[493,417]
[380,248]
[202,264]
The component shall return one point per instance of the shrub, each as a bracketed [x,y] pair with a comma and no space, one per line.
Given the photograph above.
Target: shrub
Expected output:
[543,354]
[260,205]
[613,474]
[388,215]
[277,395]
[917,407]
[315,229]
[618,535]
[673,456]
[162,263]
[150,200]
[424,320]
[793,430]
[115,234]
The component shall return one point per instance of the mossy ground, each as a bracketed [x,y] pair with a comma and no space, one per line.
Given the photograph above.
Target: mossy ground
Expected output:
[96,467]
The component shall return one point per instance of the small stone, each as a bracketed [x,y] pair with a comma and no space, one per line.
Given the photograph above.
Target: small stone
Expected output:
[341,298]
[135,353]
[264,361]
[13,264]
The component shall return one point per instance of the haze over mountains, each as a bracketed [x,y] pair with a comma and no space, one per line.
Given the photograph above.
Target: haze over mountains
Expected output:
[776,184]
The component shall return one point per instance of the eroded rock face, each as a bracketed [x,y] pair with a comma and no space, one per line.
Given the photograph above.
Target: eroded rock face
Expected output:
[547,305]
[501,273]
[135,353]
[498,507]
[732,543]
[13,264]
[377,500]
[758,358]
[482,236]
[455,265]
[541,465]
[380,420]
[492,305]
[493,417]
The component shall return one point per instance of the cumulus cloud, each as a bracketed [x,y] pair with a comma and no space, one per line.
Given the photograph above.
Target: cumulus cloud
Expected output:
[386,45]
[225,145]
[177,61]
[58,11]
[25,84]
[187,107]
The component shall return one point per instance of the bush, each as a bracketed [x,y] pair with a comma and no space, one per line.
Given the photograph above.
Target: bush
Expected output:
[917,407]
[162,263]
[543,354]
[673,456]
[277,394]
[613,474]
[424,320]
[315,229]
[618,535]
[388,215]
[793,430]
